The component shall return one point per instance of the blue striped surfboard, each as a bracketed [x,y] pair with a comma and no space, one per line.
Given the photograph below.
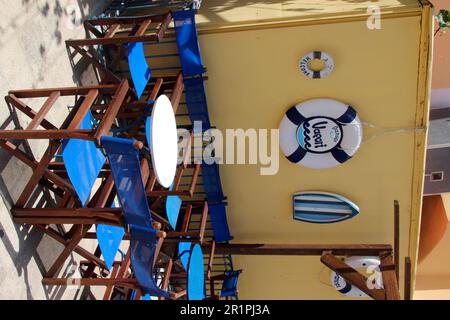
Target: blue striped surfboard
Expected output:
[322,207]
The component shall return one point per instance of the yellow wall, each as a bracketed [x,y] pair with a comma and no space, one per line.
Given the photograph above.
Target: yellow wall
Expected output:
[254,79]
[224,13]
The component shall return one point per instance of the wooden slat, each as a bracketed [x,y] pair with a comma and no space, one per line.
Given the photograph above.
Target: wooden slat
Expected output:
[48,104]
[64,91]
[110,76]
[160,32]
[194,179]
[79,250]
[83,109]
[351,276]
[124,282]
[112,41]
[89,27]
[143,28]
[11,98]
[110,115]
[389,279]
[19,154]
[108,291]
[203,222]
[112,30]
[177,92]
[38,172]
[187,218]
[45,134]
[127,20]
[66,212]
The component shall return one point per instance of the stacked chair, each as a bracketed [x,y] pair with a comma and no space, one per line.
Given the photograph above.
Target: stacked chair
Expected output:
[99,163]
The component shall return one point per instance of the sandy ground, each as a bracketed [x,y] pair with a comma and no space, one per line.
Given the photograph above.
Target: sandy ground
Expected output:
[33,54]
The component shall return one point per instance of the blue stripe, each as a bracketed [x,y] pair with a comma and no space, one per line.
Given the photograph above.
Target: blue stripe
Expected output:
[313,217]
[297,155]
[300,201]
[325,206]
[322,213]
[294,116]
[346,289]
[340,155]
[317,195]
[348,116]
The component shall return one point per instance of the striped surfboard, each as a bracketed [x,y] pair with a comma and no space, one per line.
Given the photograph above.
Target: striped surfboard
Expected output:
[322,207]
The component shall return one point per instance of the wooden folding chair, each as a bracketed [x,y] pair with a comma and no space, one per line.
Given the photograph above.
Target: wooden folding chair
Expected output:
[114,93]
[116,34]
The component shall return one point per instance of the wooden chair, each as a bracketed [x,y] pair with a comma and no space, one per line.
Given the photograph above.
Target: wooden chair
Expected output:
[70,129]
[134,31]
[145,235]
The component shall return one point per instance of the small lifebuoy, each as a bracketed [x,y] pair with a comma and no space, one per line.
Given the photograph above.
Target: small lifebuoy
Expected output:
[307,71]
[320,133]
[373,263]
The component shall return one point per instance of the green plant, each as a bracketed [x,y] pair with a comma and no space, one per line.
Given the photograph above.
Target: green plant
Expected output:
[443,18]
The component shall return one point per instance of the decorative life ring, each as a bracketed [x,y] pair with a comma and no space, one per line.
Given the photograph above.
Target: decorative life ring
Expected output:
[320,133]
[307,71]
[346,288]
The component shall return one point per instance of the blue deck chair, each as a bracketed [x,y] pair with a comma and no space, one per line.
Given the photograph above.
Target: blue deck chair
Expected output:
[229,284]
[140,72]
[187,43]
[217,213]
[83,162]
[125,166]
[109,239]
[194,91]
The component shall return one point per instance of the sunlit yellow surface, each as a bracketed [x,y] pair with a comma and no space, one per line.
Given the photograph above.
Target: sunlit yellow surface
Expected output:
[254,79]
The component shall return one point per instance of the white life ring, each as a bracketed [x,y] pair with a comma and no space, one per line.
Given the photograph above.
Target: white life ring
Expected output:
[346,288]
[307,71]
[320,133]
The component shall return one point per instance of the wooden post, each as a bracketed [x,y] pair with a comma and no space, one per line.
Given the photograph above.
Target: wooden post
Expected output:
[407,288]
[397,240]
[389,279]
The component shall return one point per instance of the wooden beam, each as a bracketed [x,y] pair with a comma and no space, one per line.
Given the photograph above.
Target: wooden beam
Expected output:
[163,26]
[111,112]
[389,279]
[12,99]
[106,72]
[301,249]
[143,28]
[112,41]
[112,31]
[127,20]
[45,134]
[83,109]
[397,239]
[64,91]
[351,276]
[407,288]
[48,104]
[81,251]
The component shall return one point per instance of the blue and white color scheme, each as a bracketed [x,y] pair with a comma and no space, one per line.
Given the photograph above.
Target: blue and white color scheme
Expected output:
[319,55]
[369,265]
[320,133]
[322,207]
